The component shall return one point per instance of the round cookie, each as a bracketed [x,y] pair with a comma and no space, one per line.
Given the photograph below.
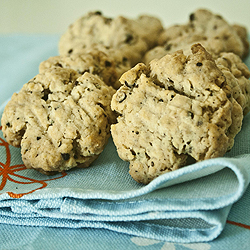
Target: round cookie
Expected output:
[59,119]
[95,60]
[132,37]
[179,107]
[206,28]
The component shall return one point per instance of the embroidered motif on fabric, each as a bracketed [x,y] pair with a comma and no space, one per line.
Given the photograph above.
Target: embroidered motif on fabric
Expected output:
[10,173]
[238,224]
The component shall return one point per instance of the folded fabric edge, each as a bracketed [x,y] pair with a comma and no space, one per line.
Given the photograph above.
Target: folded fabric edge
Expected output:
[148,229]
[197,170]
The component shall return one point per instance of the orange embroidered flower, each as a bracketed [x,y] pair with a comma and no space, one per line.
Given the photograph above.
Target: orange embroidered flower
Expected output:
[10,173]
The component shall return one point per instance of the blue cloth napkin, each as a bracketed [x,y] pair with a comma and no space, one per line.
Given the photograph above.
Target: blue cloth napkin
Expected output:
[191,204]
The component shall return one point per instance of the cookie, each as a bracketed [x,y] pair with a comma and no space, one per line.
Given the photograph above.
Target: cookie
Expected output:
[242,33]
[132,37]
[95,60]
[60,119]
[206,28]
[237,74]
[179,107]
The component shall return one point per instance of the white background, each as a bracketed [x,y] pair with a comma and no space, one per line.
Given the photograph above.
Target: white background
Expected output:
[54,16]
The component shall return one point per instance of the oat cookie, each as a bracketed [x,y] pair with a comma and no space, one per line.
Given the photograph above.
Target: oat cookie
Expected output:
[132,37]
[59,119]
[237,74]
[242,33]
[206,28]
[95,60]
[180,106]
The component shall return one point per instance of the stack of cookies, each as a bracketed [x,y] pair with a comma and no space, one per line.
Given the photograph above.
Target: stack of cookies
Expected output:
[165,95]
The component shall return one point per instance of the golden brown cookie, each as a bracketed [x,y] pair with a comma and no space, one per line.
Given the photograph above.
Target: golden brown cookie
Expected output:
[59,119]
[204,27]
[237,74]
[107,64]
[180,106]
[131,37]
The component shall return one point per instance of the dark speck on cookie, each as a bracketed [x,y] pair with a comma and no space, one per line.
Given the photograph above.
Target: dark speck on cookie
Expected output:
[192,17]
[129,38]
[65,156]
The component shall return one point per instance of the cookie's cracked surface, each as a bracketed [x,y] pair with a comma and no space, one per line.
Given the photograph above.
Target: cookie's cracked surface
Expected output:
[60,119]
[131,37]
[204,27]
[178,107]
[107,64]
[237,74]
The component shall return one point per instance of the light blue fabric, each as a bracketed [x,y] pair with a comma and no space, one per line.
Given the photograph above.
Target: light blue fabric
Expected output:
[191,204]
